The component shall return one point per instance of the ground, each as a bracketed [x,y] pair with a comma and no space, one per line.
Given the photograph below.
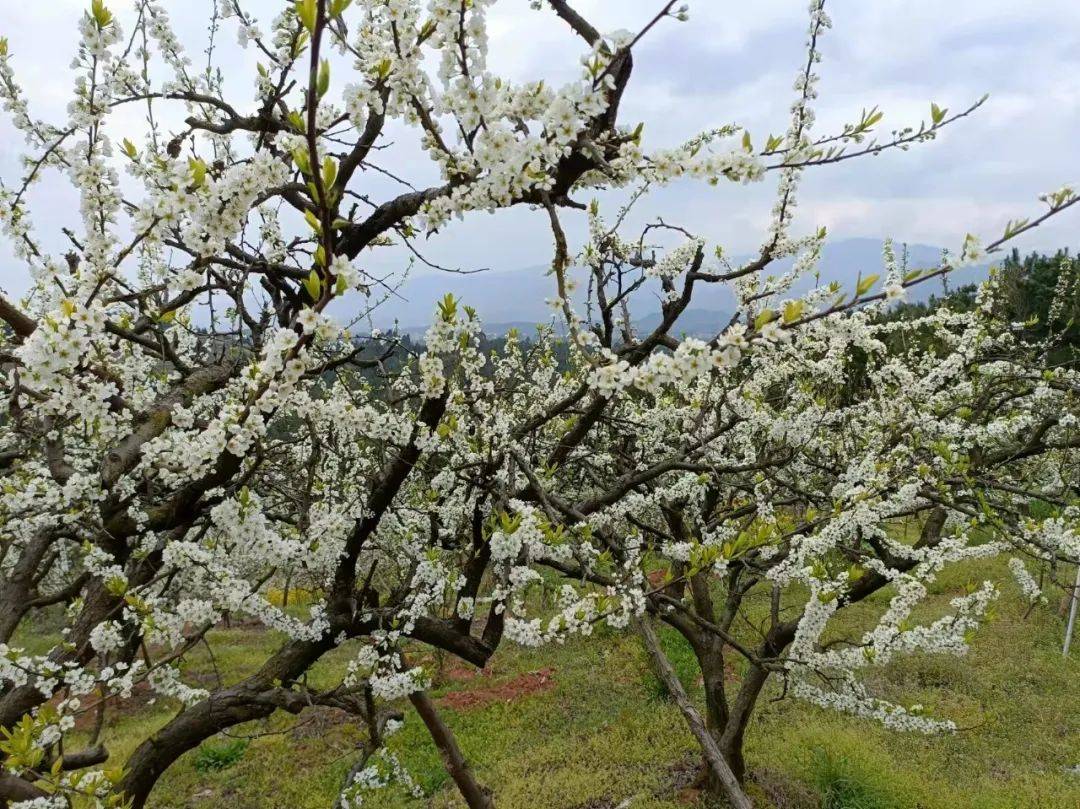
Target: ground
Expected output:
[587,726]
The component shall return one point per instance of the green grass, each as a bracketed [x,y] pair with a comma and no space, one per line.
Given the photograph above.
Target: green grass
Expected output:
[841,785]
[602,732]
[215,757]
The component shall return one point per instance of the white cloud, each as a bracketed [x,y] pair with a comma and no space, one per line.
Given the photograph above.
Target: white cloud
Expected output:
[736,62]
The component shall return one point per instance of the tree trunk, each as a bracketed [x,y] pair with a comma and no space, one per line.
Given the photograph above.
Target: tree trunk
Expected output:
[710,658]
[475,795]
[255,698]
[714,756]
[15,590]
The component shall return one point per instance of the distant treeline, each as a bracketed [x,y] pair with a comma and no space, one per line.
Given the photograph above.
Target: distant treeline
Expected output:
[1041,295]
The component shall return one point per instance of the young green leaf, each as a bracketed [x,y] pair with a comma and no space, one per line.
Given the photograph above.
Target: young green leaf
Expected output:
[865,285]
[300,157]
[307,11]
[764,316]
[329,172]
[793,310]
[102,16]
[322,82]
[313,285]
[337,7]
[198,172]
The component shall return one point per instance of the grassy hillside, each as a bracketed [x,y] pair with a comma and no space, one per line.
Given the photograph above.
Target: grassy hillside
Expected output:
[586,725]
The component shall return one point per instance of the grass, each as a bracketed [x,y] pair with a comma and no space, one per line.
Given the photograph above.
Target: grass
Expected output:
[600,732]
[842,786]
[214,757]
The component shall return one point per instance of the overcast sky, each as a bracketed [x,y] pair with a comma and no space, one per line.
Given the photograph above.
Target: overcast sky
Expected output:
[735,62]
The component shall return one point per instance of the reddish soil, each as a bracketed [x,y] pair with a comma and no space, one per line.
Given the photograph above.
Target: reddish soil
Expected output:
[688,797]
[455,670]
[516,688]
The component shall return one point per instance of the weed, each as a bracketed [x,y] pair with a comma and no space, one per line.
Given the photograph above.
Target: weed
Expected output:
[842,786]
[216,757]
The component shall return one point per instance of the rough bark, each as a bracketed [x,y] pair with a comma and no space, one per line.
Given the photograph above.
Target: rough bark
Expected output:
[254,698]
[16,589]
[714,756]
[475,795]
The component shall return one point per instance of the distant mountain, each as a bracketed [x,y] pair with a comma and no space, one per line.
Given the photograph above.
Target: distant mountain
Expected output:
[508,299]
[693,322]
[846,259]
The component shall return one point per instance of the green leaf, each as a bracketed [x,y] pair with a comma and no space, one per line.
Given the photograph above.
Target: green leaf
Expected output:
[313,285]
[129,149]
[764,316]
[322,83]
[1012,227]
[300,43]
[448,308]
[307,11]
[793,310]
[872,118]
[329,172]
[102,16]
[337,7]
[198,172]
[426,30]
[937,114]
[313,221]
[300,157]
[865,285]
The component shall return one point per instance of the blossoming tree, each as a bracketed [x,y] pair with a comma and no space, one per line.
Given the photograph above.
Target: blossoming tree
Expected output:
[186,426]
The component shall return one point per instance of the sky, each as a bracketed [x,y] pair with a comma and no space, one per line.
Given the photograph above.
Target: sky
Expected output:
[732,62]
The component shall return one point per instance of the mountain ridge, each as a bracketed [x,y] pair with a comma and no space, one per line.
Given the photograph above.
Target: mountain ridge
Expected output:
[506,299]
